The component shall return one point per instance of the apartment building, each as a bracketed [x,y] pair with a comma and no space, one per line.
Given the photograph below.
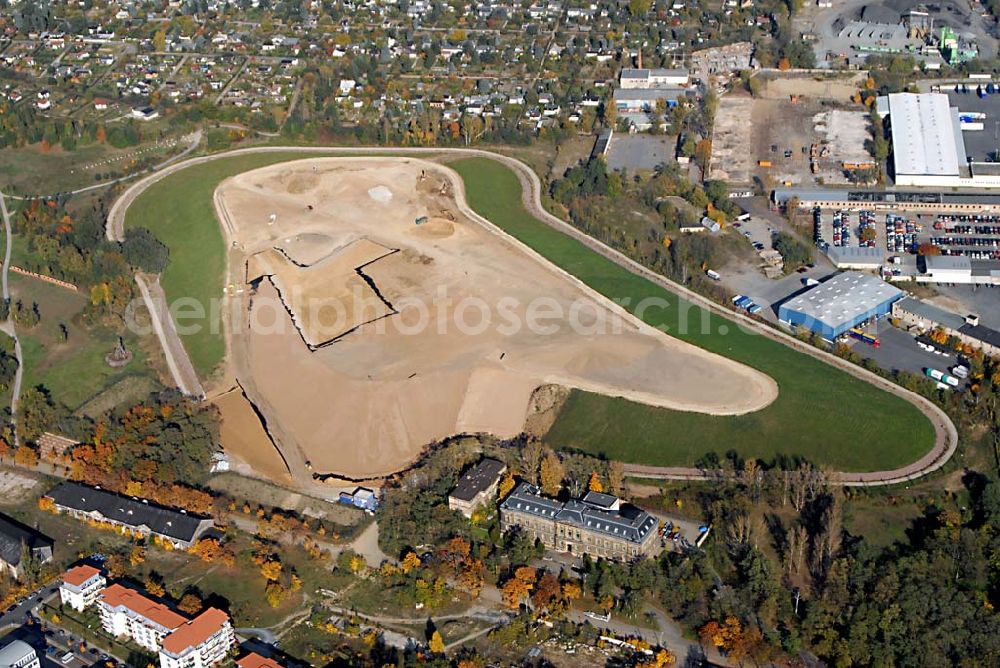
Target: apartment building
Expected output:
[202,642]
[81,585]
[84,502]
[127,613]
[255,660]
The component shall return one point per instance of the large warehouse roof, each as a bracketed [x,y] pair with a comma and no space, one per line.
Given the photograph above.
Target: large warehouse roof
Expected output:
[843,298]
[926,136]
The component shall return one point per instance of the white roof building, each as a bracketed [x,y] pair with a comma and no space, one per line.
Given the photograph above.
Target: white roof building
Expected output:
[926,136]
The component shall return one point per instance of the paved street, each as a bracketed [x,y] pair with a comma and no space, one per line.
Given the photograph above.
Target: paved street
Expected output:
[18,615]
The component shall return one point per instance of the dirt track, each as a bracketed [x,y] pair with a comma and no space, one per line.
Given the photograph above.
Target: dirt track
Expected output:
[392,379]
[946,435]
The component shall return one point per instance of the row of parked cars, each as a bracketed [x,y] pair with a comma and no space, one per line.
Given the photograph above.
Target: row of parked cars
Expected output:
[900,234]
[746,304]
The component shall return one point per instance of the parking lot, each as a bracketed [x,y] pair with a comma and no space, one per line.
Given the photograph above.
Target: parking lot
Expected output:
[899,351]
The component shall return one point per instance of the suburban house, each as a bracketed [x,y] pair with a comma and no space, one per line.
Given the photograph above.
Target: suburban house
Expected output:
[18,541]
[254,660]
[127,613]
[202,642]
[477,486]
[81,586]
[178,527]
[597,524]
[18,654]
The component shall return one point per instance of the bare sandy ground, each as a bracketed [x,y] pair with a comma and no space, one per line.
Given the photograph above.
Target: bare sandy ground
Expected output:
[456,352]
[244,438]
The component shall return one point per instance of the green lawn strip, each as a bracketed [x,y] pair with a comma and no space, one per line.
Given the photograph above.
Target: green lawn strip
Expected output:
[179,211]
[822,413]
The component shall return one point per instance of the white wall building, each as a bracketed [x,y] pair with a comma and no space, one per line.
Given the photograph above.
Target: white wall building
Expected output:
[81,586]
[928,149]
[202,642]
[18,654]
[654,78]
[127,613]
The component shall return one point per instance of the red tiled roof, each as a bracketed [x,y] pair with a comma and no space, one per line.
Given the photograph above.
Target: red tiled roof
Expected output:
[77,575]
[196,631]
[254,660]
[116,595]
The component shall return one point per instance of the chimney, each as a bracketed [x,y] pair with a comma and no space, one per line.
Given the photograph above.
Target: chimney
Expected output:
[638,62]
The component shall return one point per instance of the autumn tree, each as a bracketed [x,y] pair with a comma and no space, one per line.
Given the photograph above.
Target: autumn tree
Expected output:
[190,603]
[517,588]
[436,643]
[571,591]
[26,456]
[616,478]
[506,484]
[547,591]
[552,474]
[137,555]
[472,576]
[595,485]
[410,561]
[271,570]
[531,459]
[154,587]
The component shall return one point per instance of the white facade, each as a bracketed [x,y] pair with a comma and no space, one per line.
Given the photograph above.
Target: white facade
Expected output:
[201,643]
[126,613]
[18,654]
[80,587]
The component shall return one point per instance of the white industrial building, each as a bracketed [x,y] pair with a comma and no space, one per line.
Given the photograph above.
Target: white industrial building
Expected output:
[927,144]
[652,78]
[947,269]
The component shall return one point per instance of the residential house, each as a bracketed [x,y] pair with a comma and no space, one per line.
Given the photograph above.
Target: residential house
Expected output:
[477,486]
[18,541]
[127,613]
[202,642]
[178,527]
[81,586]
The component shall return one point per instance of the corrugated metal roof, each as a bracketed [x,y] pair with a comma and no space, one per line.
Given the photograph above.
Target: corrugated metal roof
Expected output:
[923,134]
[843,298]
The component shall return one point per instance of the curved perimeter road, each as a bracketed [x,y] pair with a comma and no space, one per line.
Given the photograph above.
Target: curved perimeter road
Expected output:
[946,436]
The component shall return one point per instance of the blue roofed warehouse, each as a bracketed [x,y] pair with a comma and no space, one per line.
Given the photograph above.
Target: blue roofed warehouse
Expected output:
[840,303]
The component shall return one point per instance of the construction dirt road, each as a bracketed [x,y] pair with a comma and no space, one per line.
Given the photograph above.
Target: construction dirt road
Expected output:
[380,314]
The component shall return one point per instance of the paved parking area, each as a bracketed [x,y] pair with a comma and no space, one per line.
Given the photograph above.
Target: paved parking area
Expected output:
[899,352]
[769,293]
[963,299]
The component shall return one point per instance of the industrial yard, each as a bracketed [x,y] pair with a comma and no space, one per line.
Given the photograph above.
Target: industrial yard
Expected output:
[804,131]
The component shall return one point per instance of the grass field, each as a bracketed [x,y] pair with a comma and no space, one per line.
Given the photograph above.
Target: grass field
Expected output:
[28,171]
[179,211]
[822,414]
[72,369]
